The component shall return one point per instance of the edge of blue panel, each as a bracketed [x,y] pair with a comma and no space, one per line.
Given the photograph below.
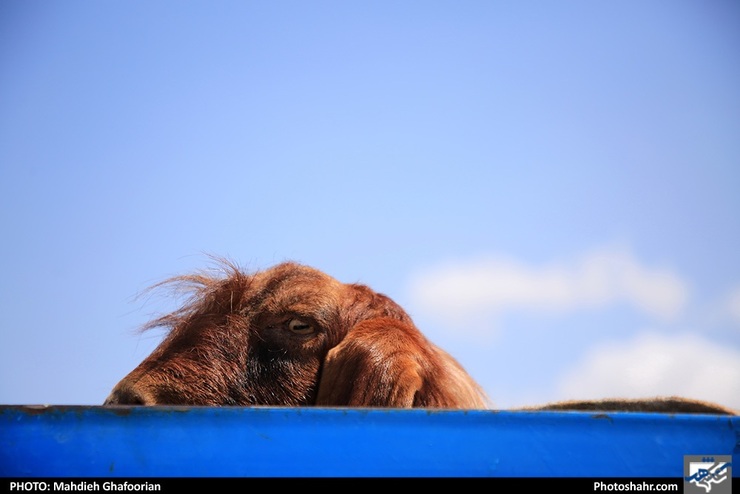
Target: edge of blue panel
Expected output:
[96,441]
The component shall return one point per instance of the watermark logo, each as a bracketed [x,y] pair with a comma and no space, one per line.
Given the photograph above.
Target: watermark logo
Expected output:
[705,474]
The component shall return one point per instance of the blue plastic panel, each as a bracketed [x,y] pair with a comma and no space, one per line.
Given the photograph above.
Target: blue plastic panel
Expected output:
[192,441]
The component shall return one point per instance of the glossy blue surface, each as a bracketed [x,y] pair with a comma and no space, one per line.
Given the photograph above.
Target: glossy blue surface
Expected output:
[192,441]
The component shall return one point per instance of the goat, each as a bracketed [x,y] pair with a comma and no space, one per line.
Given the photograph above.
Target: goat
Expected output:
[294,336]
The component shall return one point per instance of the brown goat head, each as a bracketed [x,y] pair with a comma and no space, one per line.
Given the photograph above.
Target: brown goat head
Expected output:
[293,336]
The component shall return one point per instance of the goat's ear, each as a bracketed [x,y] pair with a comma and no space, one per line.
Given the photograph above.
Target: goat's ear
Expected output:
[375,365]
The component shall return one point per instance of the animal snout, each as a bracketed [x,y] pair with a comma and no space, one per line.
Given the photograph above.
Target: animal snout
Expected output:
[124,394]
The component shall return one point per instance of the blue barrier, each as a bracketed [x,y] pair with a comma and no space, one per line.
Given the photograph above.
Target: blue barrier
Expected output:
[82,441]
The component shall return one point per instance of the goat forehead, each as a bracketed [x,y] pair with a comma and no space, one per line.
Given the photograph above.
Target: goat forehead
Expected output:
[292,271]
[292,287]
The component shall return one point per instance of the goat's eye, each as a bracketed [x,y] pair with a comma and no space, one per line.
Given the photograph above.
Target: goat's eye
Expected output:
[300,327]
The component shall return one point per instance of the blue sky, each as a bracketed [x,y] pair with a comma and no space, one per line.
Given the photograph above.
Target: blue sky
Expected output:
[551,189]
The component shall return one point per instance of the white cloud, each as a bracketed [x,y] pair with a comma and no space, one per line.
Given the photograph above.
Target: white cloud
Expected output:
[601,278]
[657,365]
[732,305]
